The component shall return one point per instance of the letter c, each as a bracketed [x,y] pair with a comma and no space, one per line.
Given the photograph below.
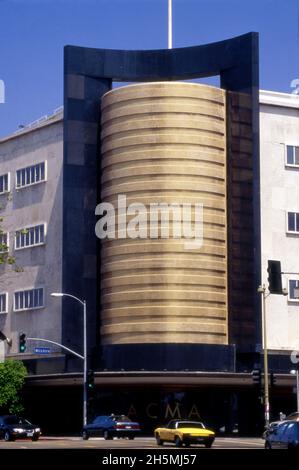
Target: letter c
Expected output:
[150,405]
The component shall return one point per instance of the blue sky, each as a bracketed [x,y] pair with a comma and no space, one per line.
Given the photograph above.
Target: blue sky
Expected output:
[33,33]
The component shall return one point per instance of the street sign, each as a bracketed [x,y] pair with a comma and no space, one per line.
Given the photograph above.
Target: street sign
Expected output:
[42,350]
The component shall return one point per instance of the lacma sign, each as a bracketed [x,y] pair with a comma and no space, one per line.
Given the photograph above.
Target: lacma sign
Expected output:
[2,92]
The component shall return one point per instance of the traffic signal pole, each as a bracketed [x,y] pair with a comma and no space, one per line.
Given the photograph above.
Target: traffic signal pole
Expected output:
[85,365]
[262,290]
[57,344]
[266,376]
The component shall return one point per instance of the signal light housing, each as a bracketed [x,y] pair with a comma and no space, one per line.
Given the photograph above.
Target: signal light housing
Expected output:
[274,277]
[22,342]
[90,380]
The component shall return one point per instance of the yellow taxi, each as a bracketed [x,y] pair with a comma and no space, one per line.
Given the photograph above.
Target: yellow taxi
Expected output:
[184,432]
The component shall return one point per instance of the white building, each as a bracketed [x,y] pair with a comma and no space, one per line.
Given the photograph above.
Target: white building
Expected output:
[31,207]
[279,156]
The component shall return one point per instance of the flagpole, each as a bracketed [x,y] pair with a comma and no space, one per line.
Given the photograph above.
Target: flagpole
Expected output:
[169,24]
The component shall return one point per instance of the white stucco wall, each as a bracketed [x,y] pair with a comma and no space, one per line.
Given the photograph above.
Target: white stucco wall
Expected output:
[40,203]
[279,126]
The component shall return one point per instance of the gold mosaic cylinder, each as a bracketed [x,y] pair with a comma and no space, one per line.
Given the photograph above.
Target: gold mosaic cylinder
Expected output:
[165,142]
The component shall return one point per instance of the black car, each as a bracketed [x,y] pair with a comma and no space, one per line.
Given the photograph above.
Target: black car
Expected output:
[110,427]
[283,436]
[14,427]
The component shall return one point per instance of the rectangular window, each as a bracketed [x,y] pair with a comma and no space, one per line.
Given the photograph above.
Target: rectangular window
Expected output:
[30,236]
[31,175]
[293,155]
[293,290]
[4,242]
[293,222]
[3,303]
[4,183]
[29,299]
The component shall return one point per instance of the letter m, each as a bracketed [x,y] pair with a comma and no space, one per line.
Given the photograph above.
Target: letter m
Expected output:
[175,413]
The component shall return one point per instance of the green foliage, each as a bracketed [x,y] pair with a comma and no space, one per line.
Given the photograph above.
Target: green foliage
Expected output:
[12,378]
[5,257]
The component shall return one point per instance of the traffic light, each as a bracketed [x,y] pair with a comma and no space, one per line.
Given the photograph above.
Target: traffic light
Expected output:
[90,380]
[272,379]
[257,376]
[274,277]
[22,342]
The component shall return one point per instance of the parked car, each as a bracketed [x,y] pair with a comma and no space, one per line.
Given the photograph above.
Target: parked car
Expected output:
[291,417]
[111,426]
[14,427]
[185,432]
[284,435]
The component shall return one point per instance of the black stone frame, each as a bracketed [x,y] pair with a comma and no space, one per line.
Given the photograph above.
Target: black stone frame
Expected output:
[88,74]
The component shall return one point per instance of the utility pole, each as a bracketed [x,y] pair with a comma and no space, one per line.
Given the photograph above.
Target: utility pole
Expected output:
[262,291]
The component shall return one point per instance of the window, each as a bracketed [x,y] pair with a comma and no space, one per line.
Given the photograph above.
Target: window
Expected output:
[3,303]
[294,290]
[171,425]
[292,155]
[4,243]
[31,175]
[30,236]
[293,222]
[29,299]
[4,183]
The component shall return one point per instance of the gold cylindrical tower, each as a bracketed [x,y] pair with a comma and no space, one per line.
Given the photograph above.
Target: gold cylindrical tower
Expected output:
[165,142]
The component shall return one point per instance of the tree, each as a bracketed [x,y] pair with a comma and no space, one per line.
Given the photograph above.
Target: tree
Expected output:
[5,257]
[12,378]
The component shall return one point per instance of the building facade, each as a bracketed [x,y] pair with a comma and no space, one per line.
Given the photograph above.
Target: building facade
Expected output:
[31,207]
[279,121]
[38,227]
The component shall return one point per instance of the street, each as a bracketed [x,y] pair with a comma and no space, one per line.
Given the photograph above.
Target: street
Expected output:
[138,443]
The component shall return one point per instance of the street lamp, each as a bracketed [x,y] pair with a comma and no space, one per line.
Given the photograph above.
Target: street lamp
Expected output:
[82,302]
[296,372]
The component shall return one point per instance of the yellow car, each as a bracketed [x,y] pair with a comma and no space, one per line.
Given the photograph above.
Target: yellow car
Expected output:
[185,432]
